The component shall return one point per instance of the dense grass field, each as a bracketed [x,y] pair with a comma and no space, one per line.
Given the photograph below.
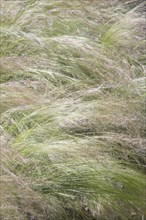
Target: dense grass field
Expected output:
[73,110]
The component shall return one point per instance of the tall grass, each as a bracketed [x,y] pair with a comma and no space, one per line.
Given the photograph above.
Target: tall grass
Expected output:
[73,110]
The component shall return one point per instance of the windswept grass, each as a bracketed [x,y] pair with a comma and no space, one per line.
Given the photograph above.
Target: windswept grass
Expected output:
[73,110]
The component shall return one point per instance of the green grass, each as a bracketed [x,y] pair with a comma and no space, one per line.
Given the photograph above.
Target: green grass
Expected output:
[73,110]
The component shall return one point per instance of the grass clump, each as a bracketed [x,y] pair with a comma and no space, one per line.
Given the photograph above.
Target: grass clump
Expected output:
[73,110]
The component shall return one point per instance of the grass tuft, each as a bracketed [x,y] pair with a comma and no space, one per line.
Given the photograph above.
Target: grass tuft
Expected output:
[73,110]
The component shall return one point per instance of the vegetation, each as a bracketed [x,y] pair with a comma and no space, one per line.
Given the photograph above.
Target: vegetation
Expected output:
[73,110]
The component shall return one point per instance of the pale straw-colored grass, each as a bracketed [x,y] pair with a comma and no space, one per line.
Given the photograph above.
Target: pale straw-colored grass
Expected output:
[73,110]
